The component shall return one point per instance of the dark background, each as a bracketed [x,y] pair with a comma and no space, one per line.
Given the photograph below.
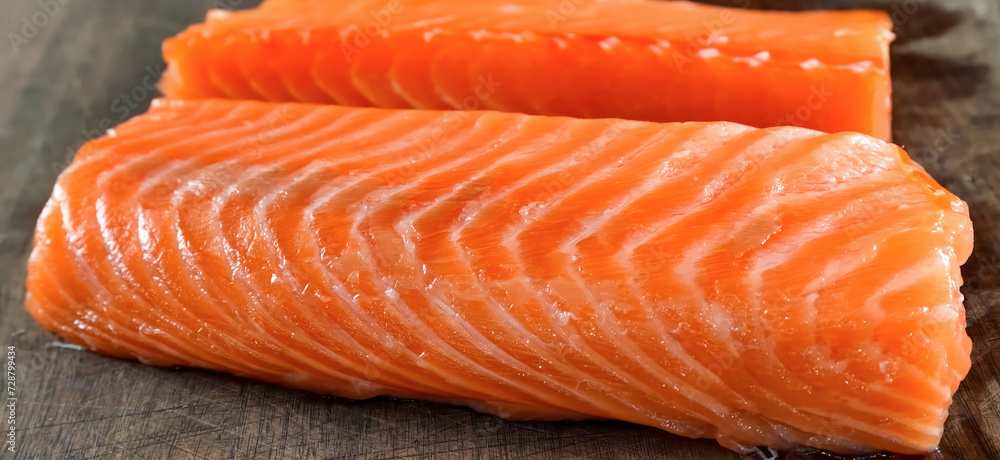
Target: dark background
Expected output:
[91,65]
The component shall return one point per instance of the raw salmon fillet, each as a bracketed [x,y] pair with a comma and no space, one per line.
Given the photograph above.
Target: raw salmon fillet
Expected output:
[653,61]
[778,287]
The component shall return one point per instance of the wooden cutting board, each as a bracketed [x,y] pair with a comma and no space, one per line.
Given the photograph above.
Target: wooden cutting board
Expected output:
[83,66]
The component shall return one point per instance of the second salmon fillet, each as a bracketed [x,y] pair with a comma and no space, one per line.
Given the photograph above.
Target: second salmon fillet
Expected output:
[777,287]
[665,61]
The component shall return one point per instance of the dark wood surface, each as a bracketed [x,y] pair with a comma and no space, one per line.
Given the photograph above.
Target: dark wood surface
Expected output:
[83,70]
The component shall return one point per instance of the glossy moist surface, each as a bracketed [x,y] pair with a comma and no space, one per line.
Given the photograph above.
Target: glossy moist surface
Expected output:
[656,61]
[774,287]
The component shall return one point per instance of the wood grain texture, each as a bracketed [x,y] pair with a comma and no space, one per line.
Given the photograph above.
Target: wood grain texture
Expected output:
[84,70]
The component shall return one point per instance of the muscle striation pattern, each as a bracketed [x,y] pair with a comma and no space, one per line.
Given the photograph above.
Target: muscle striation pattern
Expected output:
[644,60]
[778,287]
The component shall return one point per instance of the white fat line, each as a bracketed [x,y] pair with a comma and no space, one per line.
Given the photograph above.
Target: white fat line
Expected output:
[534,177]
[196,186]
[289,130]
[293,90]
[195,275]
[642,359]
[686,269]
[268,238]
[642,239]
[552,169]
[744,222]
[319,82]
[469,330]
[139,158]
[779,140]
[253,299]
[279,260]
[369,325]
[759,266]
[323,197]
[838,267]
[654,183]
[351,301]
[97,290]
[433,21]
[102,293]
[220,84]
[402,93]
[829,220]
[677,350]
[851,423]
[147,227]
[261,210]
[256,86]
[84,324]
[589,225]
[362,86]
[166,130]
[406,229]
